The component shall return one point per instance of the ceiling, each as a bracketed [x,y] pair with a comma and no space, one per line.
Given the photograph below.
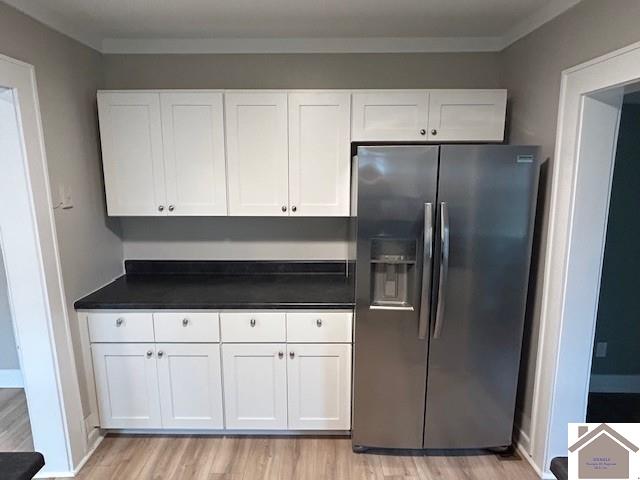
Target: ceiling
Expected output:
[294,25]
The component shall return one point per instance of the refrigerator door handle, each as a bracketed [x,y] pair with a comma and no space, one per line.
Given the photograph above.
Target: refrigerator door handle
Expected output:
[444,268]
[427,260]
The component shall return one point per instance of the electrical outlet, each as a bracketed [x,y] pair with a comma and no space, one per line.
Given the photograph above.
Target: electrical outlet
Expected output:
[601,349]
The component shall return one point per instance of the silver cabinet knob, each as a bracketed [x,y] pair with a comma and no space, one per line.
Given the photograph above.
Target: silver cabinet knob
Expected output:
[284,208]
[434,132]
[160,353]
[119,322]
[423,131]
[319,322]
[294,208]
[172,208]
[280,355]
[185,322]
[149,353]
[292,355]
[252,322]
[161,208]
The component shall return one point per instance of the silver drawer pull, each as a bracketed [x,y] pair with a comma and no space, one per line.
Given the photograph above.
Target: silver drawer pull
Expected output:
[252,322]
[319,322]
[160,353]
[292,355]
[149,353]
[119,322]
[185,322]
[280,354]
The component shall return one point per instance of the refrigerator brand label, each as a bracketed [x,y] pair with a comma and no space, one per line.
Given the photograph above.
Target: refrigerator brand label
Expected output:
[524,159]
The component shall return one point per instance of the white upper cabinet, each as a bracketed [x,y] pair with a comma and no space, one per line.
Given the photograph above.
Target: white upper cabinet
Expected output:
[257,153]
[390,115]
[467,115]
[319,153]
[193,137]
[131,136]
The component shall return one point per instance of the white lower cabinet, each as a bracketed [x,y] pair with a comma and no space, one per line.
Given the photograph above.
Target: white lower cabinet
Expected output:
[127,385]
[272,371]
[190,385]
[319,386]
[255,386]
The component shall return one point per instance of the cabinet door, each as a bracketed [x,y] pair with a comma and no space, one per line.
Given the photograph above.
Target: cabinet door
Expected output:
[390,115]
[467,115]
[257,153]
[131,136]
[193,137]
[127,385]
[190,385]
[319,377]
[255,386]
[319,154]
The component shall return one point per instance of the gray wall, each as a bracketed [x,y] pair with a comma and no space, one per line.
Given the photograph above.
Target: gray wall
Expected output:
[8,350]
[289,238]
[532,68]
[619,303]
[68,75]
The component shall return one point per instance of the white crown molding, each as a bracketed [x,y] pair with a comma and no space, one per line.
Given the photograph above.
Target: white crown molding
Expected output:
[57,23]
[294,45]
[302,45]
[536,20]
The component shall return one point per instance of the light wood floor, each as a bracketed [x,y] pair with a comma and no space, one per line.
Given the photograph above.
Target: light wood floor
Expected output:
[15,431]
[282,458]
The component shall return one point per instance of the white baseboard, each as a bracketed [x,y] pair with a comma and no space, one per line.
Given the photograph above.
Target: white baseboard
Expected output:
[11,378]
[615,384]
[95,438]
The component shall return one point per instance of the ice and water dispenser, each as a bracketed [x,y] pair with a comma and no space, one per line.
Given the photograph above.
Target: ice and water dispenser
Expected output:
[393,272]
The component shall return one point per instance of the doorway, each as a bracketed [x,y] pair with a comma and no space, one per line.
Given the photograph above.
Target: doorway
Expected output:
[614,389]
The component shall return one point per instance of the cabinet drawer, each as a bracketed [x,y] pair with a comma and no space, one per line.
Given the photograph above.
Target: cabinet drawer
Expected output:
[319,327]
[195,327]
[120,327]
[253,327]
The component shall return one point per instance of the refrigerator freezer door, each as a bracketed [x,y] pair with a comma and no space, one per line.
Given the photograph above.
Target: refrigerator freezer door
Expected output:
[489,195]
[395,186]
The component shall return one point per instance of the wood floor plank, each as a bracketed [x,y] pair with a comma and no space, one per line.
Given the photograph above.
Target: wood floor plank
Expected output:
[15,430]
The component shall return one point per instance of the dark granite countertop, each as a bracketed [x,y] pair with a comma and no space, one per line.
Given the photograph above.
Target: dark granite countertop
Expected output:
[222,285]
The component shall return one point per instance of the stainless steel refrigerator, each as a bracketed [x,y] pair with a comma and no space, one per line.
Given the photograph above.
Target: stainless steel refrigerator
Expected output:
[444,238]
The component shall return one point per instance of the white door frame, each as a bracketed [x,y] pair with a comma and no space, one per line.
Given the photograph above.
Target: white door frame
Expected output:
[36,293]
[588,119]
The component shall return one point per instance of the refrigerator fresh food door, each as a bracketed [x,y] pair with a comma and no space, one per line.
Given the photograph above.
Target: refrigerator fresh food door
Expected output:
[485,216]
[396,193]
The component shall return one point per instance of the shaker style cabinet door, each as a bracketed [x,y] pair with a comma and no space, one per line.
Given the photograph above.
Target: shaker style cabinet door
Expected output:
[257,153]
[193,138]
[467,115]
[255,386]
[319,381]
[190,385]
[127,385]
[319,154]
[131,137]
[390,115]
